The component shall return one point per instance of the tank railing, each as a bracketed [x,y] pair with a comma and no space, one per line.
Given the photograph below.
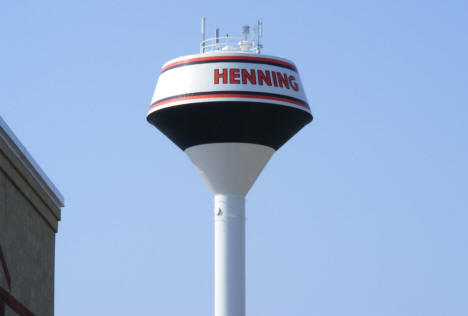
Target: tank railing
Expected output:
[229,43]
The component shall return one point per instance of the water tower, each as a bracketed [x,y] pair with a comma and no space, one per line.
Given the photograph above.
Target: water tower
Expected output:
[229,109]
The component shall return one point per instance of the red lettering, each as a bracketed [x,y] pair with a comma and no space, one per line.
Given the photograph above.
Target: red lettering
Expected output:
[262,77]
[283,79]
[234,75]
[292,82]
[218,75]
[275,83]
[251,77]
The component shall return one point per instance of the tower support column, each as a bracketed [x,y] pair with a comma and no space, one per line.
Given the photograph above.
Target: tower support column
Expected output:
[229,218]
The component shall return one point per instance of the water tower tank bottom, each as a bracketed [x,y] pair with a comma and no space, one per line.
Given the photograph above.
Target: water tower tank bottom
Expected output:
[229,121]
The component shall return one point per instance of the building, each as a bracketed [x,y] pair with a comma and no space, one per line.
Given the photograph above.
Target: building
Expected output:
[30,207]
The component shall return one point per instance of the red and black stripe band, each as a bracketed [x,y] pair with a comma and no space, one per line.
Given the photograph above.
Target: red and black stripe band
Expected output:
[230,59]
[231,94]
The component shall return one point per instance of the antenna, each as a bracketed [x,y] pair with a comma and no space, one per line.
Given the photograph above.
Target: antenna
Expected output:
[245,32]
[259,36]
[203,33]
[244,43]
[217,37]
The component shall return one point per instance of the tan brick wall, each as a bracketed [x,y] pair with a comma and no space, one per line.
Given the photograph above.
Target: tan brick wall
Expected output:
[28,223]
[28,245]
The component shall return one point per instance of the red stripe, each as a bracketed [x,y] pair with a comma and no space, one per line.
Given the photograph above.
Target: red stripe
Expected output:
[229,95]
[227,58]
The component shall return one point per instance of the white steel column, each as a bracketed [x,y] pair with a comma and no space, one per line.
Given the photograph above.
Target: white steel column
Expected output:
[229,216]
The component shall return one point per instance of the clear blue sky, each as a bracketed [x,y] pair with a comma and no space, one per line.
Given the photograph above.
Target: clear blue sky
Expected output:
[364,212]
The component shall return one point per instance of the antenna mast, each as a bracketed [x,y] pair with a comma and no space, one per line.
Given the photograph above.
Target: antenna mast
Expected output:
[203,34]
[259,36]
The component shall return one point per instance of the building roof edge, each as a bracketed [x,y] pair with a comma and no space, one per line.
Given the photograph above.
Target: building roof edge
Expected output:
[33,168]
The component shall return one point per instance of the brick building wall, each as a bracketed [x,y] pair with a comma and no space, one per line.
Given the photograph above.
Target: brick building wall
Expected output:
[29,213]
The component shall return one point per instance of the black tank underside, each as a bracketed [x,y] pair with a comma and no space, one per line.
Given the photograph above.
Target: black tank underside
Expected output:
[228,122]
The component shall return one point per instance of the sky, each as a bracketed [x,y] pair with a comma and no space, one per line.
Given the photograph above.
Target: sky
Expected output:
[364,212]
